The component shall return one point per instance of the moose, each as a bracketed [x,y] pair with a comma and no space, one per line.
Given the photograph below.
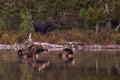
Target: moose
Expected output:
[44,27]
[31,49]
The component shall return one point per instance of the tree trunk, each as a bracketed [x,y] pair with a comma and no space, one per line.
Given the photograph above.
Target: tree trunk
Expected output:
[96,28]
[108,25]
[15,1]
[106,7]
[63,18]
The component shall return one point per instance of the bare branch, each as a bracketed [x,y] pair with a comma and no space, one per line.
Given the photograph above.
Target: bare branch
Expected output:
[116,29]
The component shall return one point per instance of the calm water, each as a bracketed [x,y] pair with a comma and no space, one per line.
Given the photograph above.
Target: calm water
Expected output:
[87,65]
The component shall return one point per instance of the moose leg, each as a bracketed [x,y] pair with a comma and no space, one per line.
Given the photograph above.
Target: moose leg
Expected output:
[20,53]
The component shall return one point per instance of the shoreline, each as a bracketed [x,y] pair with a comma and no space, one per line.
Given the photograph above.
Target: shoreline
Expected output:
[60,47]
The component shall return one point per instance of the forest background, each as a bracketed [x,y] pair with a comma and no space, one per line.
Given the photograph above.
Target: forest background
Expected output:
[87,21]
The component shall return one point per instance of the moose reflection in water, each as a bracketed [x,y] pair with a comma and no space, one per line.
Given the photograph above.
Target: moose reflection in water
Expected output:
[66,55]
[37,64]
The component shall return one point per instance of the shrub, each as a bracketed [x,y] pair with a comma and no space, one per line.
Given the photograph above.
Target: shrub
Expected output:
[5,38]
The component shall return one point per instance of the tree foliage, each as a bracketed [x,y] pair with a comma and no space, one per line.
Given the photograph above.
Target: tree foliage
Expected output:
[19,14]
[95,12]
[26,25]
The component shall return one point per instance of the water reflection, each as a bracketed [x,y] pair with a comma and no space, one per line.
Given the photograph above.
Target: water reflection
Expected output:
[112,69]
[67,55]
[115,69]
[107,62]
[36,64]
[88,65]
[66,59]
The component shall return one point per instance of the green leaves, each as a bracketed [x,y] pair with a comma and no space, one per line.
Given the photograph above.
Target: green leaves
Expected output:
[26,25]
[95,12]
[14,14]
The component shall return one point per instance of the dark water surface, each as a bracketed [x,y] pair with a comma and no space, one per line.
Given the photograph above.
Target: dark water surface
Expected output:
[87,65]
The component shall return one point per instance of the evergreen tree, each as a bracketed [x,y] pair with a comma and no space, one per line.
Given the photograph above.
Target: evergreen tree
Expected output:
[27,24]
[97,12]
